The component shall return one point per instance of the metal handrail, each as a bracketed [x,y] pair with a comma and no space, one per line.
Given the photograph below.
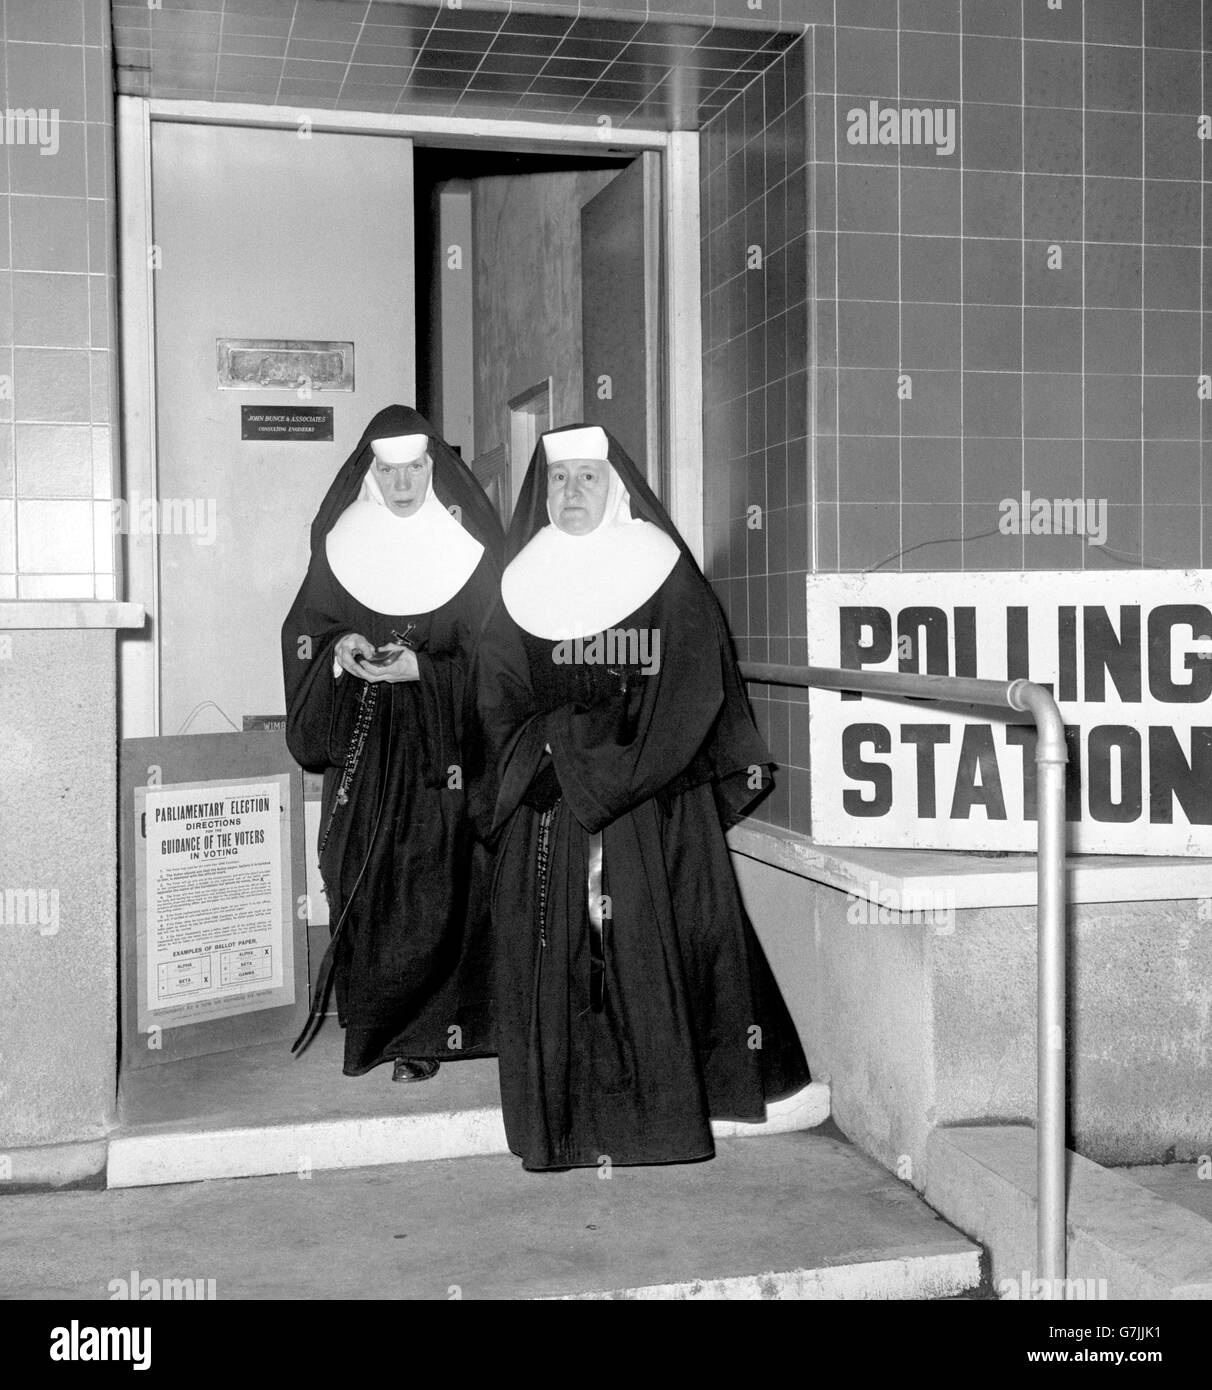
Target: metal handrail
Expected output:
[1051,757]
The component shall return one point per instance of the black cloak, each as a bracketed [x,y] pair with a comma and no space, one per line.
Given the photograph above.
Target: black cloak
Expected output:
[621,1034]
[405,880]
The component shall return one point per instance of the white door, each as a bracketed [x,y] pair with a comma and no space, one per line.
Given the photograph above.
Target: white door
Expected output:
[262,234]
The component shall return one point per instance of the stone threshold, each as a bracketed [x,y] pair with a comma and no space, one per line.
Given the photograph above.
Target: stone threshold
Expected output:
[257,1111]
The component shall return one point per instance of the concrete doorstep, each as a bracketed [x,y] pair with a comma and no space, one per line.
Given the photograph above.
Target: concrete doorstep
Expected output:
[1124,1241]
[789,1216]
[258,1111]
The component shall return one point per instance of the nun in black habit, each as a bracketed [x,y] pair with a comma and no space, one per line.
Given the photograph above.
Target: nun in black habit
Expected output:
[376,654]
[634,1003]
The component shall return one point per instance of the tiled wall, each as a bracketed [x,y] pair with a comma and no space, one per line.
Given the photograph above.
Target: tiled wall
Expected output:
[755,265]
[1024,314]
[57,297]
[638,65]
[1043,286]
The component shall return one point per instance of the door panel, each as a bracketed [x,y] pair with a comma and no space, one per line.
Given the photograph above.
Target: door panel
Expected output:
[620,310]
[491,471]
[263,234]
[530,417]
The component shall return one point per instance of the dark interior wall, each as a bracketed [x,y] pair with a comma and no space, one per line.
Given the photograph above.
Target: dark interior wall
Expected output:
[1076,129]
[428,296]
[526,237]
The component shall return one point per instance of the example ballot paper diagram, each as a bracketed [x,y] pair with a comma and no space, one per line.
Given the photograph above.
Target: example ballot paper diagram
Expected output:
[1128,658]
[211,906]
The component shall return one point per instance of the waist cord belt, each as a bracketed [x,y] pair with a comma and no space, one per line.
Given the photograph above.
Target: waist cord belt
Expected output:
[597,926]
[366,709]
[594,900]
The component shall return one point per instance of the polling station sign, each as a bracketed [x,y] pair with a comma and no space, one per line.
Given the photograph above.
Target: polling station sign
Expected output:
[1127,655]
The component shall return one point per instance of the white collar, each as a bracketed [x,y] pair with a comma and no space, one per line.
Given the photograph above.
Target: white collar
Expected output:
[562,585]
[400,564]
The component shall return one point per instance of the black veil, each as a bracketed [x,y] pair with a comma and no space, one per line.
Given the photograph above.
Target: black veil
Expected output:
[454,483]
[734,756]
[530,514]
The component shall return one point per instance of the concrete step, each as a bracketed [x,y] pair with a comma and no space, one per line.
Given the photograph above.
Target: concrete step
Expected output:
[1186,1185]
[258,1110]
[790,1216]
[1125,1241]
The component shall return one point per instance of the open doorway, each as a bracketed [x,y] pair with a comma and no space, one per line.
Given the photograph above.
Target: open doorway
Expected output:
[539,303]
[502,348]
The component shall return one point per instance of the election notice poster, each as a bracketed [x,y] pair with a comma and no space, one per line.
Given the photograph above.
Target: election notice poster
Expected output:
[1127,655]
[214,900]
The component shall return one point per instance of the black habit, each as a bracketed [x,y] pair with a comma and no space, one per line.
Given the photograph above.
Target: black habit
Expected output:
[405,880]
[620,1038]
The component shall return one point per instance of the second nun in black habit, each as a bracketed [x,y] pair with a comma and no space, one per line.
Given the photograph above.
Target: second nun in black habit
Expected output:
[634,1001]
[376,653]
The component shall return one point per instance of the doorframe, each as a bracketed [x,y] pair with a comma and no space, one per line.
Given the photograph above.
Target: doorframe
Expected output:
[682,416]
[524,432]
[139,695]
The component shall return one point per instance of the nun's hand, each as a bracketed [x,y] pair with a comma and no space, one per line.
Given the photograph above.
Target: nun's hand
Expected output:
[350,646]
[403,668]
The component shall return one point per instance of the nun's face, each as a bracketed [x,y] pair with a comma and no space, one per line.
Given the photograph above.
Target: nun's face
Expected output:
[576,493]
[404,484]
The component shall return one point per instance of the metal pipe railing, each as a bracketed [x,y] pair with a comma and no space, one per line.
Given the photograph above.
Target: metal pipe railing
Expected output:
[1051,756]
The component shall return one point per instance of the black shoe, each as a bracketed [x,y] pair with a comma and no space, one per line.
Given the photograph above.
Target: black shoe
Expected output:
[413,1069]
